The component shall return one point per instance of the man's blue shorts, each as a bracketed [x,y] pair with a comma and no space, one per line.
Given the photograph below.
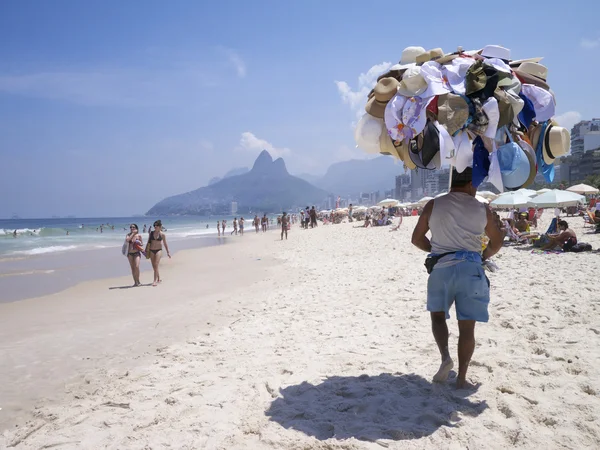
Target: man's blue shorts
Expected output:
[464,283]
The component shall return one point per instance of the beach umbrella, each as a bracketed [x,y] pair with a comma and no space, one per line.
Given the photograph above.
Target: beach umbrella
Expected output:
[487,194]
[557,199]
[424,200]
[543,191]
[388,202]
[527,192]
[510,200]
[583,189]
[481,199]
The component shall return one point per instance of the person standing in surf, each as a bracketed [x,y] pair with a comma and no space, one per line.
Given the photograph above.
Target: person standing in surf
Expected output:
[457,222]
[134,246]
[219,228]
[284,225]
[156,239]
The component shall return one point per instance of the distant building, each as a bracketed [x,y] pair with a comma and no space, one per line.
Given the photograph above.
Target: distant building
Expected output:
[585,136]
[583,165]
[234,208]
[403,187]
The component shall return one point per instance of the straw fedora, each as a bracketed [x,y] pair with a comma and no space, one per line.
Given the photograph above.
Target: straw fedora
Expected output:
[431,55]
[412,83]
[383,92]
[518,62]
[408,59]
[533,73]
[557,142]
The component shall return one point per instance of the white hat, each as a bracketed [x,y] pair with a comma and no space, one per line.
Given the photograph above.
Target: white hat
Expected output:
[446,144]
[491,110]
[408,58]
[557,142]
[495,51]
[463,156]
[543,102]
[412,82]
[437,82]
[456,73]
[405,117]
[498,64]
[367,133]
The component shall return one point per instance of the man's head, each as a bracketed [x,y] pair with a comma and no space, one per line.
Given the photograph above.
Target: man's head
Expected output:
[463,182]
[563,225]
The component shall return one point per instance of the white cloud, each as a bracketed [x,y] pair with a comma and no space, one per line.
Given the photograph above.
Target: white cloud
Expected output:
[235,60]
[249,142]
[589,43]
[357,99]
[568,119]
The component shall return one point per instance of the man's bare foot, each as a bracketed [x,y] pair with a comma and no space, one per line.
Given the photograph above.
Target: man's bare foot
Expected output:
[464,384]
[444,371]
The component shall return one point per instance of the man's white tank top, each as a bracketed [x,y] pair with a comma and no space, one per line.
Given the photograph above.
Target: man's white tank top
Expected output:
[457,223]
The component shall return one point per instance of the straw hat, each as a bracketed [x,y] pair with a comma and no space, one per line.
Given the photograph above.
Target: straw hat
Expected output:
[403,152]
[412,83]
[431,55]
[557,142]
[383,92]
[533,73]
[386,146]
[408,59]
[453,112]
[518,62]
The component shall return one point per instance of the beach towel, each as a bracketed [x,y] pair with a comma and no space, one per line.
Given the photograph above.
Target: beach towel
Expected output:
[537,251]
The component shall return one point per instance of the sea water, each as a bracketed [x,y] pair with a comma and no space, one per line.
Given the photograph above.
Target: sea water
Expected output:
[47,236]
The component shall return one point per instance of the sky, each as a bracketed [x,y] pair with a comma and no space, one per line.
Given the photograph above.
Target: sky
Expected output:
[107,107]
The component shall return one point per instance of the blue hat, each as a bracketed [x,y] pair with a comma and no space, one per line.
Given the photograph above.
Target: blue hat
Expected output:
[527,114]
[481,162]
[514,165]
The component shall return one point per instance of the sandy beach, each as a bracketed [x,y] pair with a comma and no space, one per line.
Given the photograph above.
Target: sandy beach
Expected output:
[318,342]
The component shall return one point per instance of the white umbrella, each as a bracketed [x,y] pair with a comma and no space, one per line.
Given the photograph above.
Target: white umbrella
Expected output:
[424,200]
[543,191]
[487,194]
[557,199]
[583,189]
[481,199]
[388,202]
[527,192]
[510,200]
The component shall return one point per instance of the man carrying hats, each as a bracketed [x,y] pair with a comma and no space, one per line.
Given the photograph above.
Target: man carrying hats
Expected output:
[457,221]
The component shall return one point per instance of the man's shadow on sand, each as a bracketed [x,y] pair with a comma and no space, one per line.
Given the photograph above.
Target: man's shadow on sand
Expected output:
[386,406]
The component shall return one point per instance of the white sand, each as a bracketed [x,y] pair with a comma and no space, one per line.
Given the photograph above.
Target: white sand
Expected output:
[331,349]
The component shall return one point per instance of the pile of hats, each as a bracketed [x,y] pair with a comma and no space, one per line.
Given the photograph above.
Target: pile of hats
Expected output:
[476,109]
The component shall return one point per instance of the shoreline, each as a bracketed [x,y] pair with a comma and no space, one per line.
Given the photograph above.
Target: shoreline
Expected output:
[36,276]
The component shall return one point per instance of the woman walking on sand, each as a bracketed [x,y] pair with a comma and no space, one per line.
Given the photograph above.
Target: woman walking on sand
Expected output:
[156,239]
[219,228]
[223,225]
[134,247]
[242,226]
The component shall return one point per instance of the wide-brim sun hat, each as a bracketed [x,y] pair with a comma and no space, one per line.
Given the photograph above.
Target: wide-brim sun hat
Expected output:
[412,83]
[367,133]
[408,58]
[530,153]
[533,73]
[453,112]
[515,166]
[386,146]
[430,55]
[437,82]
[495,51]
[456,73]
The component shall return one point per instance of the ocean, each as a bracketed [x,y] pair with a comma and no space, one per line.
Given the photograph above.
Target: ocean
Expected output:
[44,259]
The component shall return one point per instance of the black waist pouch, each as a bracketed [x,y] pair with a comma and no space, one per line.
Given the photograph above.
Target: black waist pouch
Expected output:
[431,261]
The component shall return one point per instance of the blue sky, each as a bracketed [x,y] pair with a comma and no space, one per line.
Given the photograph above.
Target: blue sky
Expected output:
[108,107]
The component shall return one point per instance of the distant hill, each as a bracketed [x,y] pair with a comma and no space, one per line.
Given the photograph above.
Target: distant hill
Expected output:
[268,187]
[231,173]
[359,175]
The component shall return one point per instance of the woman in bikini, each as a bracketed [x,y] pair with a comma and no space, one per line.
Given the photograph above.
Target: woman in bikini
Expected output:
[134,243]
[155,241]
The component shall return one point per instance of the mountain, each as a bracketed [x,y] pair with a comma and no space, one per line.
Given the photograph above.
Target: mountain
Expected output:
[231,173]
[267,187]
[359,175]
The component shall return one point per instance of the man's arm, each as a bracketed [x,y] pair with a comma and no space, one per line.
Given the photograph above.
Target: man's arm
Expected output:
[493,232]
[419,238]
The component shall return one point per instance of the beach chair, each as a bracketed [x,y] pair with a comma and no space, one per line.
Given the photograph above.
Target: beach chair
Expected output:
[589,218]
